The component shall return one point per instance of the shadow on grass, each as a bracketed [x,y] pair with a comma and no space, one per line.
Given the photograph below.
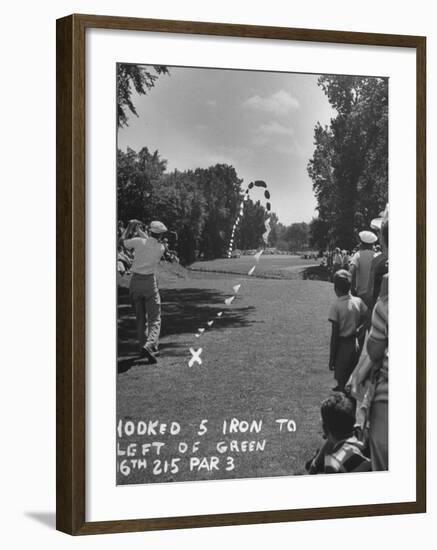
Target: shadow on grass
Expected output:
[184,310]
[316,273]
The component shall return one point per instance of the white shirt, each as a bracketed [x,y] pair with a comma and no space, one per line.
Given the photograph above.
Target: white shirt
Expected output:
[362,260]
[147,254]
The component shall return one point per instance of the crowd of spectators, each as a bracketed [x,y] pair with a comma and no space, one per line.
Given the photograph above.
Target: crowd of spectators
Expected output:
[355,415]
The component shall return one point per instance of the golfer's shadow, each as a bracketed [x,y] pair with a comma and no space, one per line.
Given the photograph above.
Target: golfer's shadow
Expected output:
[184,310]
[126,363]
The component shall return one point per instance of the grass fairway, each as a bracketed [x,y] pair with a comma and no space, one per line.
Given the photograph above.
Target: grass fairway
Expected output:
[265,359]
[278,266]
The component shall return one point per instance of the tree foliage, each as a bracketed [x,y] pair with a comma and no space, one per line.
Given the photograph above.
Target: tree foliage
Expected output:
[200,205]
[296,235]
[138,175]
[221,189]
[318,234]
[291,238]
[349,167]
[132,77]
[251,229]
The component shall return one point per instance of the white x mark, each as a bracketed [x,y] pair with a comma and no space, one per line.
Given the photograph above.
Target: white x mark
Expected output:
[195,357]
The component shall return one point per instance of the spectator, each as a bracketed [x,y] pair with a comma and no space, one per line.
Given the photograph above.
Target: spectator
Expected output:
[120,228]
[342,452]
[123,261]
[123,257]
[361,262]
[378,268]
[120,267]
[347,316]
[337,261]
[329,260]
[345,259]
[377,348]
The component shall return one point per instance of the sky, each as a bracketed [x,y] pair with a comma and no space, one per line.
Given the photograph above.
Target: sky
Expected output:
[262,123]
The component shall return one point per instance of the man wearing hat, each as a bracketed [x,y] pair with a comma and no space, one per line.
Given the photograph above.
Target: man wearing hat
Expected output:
[360,265]
[379,266]
[143,289]
[361,262]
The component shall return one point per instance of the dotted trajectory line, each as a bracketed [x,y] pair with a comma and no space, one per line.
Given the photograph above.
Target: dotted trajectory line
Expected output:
[195,354]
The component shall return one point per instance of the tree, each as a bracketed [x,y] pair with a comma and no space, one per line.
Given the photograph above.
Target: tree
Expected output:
[221,188]
[137,177]
[296,236]
[318,234]
[133,77]
[250,231]
[349,165]
[185,210]
[321,171]
[275,227]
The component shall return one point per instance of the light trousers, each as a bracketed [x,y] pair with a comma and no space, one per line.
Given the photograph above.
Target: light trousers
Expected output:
[146,301]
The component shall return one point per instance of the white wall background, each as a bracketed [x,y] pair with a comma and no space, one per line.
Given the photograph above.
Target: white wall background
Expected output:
[27,218]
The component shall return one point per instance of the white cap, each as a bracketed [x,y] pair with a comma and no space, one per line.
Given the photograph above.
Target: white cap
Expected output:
[157,227]
[376,223]
[367,237]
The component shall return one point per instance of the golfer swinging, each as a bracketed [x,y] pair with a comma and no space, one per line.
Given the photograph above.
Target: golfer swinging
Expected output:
[143,289]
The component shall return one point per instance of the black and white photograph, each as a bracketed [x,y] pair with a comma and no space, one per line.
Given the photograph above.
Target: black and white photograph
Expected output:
[252,273]
[203,193]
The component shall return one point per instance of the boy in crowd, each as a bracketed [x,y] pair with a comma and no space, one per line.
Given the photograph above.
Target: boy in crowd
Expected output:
[342,451]
[347,315]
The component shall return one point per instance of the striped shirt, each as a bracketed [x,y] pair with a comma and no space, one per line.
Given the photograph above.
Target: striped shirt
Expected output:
[347,456]
[379,333]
